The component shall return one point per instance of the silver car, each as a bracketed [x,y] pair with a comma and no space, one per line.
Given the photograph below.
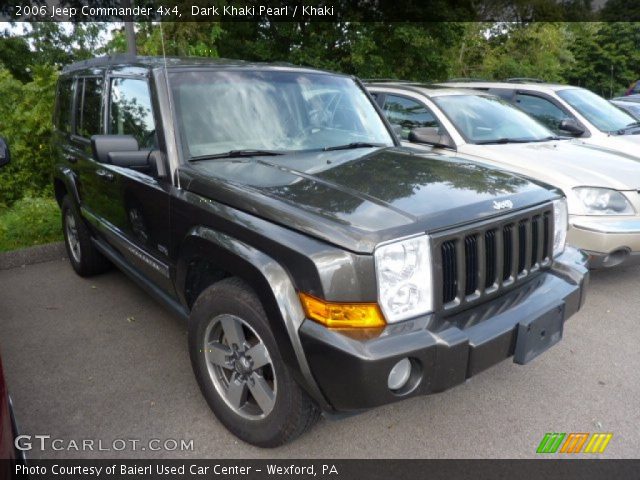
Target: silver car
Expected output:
[601,185]
[568,110]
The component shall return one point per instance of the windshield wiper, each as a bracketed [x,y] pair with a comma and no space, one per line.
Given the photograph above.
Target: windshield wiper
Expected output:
[352,145]
[502,141]
[237,154]
[549,138]
[632,125]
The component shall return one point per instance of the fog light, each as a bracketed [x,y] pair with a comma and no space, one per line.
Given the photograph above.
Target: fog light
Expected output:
[399,374]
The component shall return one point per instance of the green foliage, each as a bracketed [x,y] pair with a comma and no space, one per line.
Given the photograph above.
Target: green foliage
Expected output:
[31,221]
[604,57]
[536,50]
[607,56]
[48,43]
[25,121]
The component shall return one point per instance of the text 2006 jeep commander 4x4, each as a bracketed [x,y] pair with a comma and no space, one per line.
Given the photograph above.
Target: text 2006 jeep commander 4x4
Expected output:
[321,266]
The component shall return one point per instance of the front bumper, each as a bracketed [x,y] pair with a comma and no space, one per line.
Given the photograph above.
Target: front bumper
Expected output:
[445,351]
[608,241]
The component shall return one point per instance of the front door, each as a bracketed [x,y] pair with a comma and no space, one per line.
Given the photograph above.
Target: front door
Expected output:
[135,206]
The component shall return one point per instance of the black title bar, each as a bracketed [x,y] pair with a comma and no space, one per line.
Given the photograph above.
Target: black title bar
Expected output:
[319,10]
[547,469]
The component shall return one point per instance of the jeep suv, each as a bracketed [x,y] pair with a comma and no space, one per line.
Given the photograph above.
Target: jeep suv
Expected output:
[320,266]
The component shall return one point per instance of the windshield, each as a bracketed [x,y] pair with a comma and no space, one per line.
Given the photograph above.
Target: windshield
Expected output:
[486,119]
[223,111]
[597,110]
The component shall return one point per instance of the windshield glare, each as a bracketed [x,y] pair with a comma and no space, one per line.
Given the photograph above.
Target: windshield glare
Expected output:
[596,109]
[483,119]
[271,110]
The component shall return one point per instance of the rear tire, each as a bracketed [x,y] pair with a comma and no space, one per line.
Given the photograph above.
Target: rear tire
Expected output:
[85,259]
[240,371]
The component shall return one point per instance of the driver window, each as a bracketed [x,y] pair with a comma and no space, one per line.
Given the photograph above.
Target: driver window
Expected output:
[407,113]
[130,111]
[542,110]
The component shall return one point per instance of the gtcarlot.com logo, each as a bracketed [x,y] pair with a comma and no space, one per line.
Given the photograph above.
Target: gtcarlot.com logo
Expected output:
[46,442]
[574,443]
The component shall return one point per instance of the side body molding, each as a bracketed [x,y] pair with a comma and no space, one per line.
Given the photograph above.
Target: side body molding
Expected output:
[270,281]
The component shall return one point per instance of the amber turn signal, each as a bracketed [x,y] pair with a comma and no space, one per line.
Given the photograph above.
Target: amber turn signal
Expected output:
[342,315]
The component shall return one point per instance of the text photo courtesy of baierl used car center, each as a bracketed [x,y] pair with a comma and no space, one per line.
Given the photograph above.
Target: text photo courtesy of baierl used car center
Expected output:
[336,240]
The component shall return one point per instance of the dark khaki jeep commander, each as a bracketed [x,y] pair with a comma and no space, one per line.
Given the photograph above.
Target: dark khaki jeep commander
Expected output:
[319,265]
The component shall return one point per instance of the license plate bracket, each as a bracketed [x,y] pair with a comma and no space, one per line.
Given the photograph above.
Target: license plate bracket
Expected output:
[536,335]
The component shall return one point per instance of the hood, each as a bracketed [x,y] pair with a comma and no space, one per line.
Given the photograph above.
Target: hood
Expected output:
[624,144]
[358,198]
[564,164]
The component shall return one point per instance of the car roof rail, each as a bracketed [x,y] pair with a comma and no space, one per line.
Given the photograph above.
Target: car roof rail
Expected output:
[102,61]
[386,80]
[524,80]
[466,79]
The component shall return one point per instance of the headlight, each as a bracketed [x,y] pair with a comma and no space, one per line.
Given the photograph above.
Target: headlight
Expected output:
[560,219]
[603,201]
[403,270]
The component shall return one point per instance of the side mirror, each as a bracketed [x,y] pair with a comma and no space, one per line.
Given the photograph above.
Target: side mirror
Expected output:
[571,126]
[103,145]
[5,156]
[432,136]
[123,151]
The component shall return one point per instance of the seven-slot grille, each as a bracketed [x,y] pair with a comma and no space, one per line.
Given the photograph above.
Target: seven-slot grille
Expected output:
[481,260]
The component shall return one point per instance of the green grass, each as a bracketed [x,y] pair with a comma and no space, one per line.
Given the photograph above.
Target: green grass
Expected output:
[30,221]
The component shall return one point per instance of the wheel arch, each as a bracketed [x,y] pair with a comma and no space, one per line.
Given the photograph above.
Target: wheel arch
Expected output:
[64,183]
[207,256]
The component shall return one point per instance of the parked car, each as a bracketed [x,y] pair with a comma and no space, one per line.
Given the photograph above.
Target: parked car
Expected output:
[634,88]
[8,428]
[319,265]
[569,111]
[629,104]
[629,98]
[9,455]
[5,155]
[601,185]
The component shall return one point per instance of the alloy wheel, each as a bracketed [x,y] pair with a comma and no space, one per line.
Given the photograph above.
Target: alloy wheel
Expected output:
[240,366]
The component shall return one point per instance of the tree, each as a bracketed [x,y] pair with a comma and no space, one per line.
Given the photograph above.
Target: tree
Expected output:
[607,56]
[25,120]
[536,50]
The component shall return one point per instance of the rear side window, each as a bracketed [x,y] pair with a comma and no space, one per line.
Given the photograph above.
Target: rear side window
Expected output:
[64,105]
[408,113]
[130,111]
[89,106]
[542,110]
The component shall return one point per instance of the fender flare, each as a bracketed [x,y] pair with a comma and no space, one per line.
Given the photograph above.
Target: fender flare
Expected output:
[68,178]
[271,283]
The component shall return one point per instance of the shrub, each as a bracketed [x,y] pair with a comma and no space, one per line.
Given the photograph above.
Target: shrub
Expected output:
[30,221]
[25,121]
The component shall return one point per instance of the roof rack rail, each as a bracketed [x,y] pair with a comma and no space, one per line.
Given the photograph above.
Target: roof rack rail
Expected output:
[524,80]
[467,79]
[385,80]
[101,61]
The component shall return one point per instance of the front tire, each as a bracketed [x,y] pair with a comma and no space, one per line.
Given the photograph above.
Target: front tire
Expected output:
[85,259]
[240,371]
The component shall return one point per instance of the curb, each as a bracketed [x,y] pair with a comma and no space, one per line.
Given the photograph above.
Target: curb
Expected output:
[31,255]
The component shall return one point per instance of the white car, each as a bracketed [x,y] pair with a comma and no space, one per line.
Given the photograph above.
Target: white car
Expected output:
[568,110]
[601,185]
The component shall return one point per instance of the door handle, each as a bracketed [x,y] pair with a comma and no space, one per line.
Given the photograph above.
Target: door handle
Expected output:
[105,174]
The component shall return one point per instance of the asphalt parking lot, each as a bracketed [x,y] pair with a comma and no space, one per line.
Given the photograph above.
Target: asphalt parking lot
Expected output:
[99,359]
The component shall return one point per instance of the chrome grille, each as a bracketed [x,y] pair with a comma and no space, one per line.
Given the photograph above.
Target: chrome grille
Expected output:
[479,261]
